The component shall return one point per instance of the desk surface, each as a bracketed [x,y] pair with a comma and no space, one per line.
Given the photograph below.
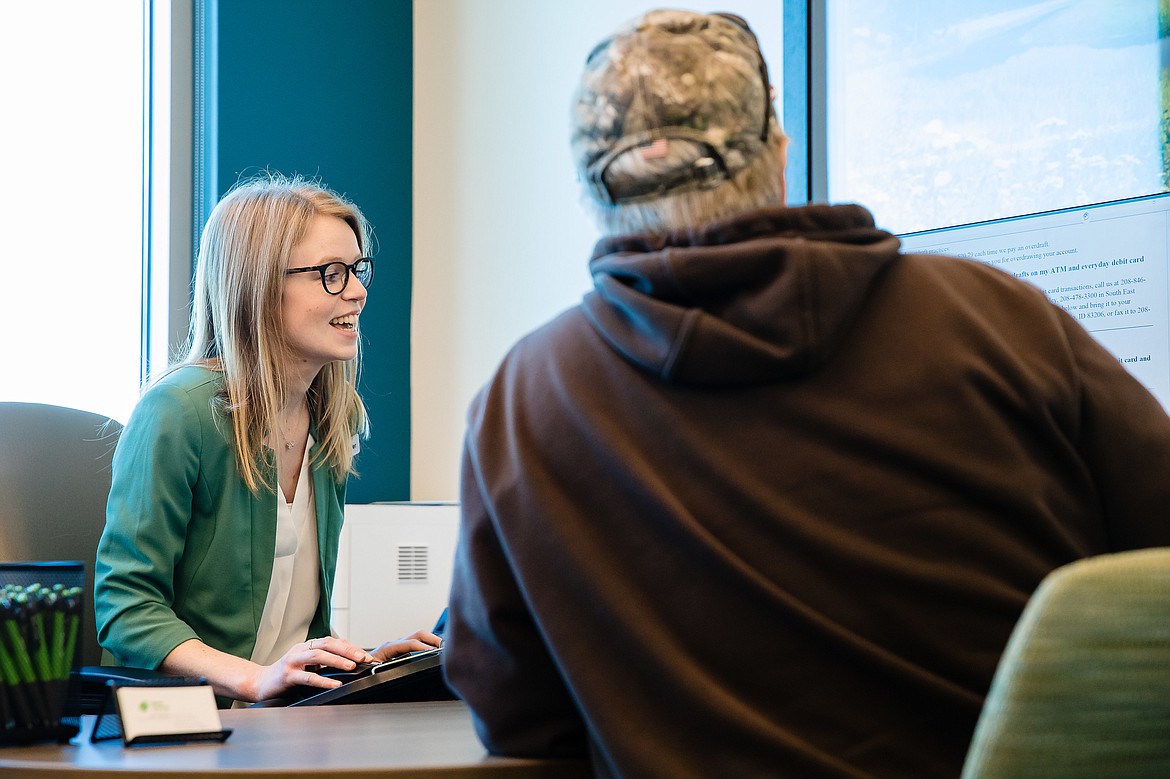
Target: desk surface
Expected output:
[365,740]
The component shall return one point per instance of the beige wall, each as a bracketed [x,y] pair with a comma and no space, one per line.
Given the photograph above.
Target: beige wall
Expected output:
[500,243]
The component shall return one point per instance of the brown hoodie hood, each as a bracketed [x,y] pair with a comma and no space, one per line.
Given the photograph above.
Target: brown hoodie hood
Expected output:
[749,299]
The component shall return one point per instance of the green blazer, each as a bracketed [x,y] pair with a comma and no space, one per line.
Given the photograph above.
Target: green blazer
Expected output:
[187,550]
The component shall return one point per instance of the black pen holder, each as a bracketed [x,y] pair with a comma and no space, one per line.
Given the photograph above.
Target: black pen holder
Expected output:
[41,608]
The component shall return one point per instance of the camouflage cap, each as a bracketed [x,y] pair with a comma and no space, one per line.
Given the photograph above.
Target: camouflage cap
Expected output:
[688,88]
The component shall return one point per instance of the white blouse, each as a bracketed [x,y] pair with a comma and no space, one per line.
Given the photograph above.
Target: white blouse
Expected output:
[294,590]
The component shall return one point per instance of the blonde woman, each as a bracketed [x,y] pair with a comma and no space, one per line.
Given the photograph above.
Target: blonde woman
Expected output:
[229,480]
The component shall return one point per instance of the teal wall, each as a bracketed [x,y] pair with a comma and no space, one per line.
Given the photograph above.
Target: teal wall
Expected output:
[325,90]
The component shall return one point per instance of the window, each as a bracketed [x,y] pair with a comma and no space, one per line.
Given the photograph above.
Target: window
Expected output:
[945,113]
[76,95]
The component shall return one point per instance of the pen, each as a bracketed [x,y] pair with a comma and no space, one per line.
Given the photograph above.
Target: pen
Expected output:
[17,666]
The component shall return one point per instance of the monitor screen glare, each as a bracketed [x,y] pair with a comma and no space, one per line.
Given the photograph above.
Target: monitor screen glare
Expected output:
[1105,264]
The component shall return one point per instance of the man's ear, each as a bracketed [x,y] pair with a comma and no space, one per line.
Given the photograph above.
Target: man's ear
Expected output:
[782,139]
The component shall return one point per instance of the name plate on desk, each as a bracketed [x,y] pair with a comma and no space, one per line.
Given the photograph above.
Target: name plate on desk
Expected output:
[171,711]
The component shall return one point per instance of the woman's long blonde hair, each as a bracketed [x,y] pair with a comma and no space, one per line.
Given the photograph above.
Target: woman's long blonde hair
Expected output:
[237,328]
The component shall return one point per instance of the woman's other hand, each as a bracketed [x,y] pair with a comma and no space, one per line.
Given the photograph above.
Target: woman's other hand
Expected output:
[415,642]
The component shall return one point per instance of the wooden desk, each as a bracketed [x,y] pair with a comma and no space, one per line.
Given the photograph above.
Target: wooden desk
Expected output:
[366,740]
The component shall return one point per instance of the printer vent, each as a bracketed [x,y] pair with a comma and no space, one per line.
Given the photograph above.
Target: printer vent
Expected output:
[412,563]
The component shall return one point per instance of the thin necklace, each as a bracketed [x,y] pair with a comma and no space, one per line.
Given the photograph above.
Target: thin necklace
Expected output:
[289,444]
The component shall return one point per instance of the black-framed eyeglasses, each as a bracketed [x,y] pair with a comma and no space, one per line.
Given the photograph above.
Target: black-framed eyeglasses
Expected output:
[335,275]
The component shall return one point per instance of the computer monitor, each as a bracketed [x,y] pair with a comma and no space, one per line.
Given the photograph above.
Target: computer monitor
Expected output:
[1106,264]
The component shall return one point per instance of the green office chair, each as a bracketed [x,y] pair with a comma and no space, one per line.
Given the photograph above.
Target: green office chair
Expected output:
[1083,688]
